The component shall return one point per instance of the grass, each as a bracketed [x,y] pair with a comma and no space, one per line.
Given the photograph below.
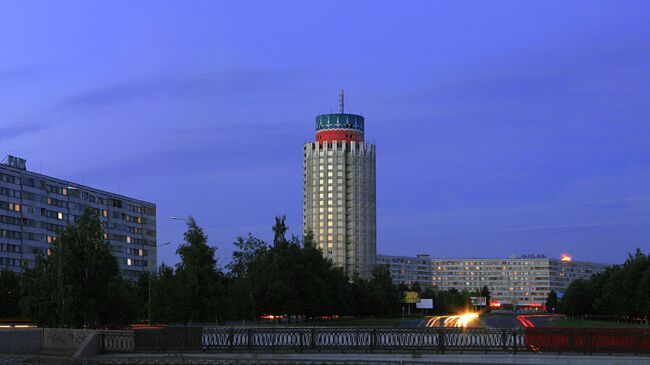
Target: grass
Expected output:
[559,322]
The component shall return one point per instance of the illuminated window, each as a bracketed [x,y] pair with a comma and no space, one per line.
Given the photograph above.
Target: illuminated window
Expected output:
[329,238]
[129,262]
[330,209]
[17,207]
[104,212]
[330,188]
[321,174]
[322,167]
[65,191]
[329,174]
[59,215]
[330,230]
[321,231]
[128,239]
[329,181]
[330,223]
[329,202]
[330,216]
[322,188]
[321,216]
[50,239]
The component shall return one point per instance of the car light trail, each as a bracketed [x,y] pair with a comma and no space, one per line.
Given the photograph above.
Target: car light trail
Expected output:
[461,320]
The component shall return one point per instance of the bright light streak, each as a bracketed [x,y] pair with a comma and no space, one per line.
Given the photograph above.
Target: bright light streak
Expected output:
[461,320]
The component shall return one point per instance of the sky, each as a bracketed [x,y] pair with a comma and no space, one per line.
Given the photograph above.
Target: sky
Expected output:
[502,127]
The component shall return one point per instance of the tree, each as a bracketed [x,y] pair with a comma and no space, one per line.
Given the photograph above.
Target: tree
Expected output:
[485,292]
[246,278]
[165,296]
[199,279]
[551,301]
[578,298]
[383,293]
[79,283]
[9,294]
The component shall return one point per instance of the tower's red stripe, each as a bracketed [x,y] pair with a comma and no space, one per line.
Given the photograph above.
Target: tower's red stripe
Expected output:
[339,135]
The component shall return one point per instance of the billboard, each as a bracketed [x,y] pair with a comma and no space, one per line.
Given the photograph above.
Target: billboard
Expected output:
[410,297]
[424,304]
[479,301]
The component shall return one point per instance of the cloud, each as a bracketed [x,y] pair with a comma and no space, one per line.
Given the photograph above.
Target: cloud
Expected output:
[16,130]
[225,85]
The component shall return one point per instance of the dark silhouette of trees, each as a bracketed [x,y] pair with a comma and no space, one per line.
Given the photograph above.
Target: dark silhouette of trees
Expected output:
[79,283]
[621,290]
[551,301]
[9,294]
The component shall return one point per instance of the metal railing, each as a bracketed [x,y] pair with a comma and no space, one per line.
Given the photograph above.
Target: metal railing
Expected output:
[439,340]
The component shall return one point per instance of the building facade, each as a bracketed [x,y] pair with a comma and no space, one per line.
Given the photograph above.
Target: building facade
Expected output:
[519,281]
[408,270]
[339,201]
[35,208]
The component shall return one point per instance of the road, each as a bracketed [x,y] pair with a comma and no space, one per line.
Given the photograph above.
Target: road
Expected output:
[518,321]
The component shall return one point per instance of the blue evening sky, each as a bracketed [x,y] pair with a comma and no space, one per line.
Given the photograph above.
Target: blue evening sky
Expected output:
[502,127]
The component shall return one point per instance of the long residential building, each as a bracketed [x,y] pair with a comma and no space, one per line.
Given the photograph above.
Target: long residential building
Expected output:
[35,208]
[519,281]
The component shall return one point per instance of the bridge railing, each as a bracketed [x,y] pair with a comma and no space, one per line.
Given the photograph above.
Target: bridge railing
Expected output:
[440,340]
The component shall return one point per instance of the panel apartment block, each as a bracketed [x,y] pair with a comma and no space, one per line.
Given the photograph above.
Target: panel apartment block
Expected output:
[35,208]
[408,270]
[523,281]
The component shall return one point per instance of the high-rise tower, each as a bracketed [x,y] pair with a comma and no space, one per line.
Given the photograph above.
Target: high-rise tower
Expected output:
[339,202]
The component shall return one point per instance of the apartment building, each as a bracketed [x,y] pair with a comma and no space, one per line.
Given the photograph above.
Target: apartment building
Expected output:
[35,208]
[408,270]
[520,281]
[339,198]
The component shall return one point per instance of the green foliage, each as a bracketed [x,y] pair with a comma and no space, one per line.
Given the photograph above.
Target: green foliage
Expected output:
[622,290]
[9,294]
[551,301]
[199,283]
[485,292]
[79,283]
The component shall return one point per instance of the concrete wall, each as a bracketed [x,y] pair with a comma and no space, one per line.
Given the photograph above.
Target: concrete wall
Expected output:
[20,341]
[34,340]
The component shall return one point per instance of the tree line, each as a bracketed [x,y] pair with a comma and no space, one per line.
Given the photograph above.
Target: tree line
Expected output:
[78,284]
[621,290]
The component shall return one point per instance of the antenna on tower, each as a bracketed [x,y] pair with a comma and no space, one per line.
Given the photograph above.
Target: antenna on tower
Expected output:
[342,100]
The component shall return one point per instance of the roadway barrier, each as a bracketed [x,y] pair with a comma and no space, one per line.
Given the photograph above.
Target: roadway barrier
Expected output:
[439,340]
[589,340]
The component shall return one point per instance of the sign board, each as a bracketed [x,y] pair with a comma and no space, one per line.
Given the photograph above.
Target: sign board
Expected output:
[410,297]
[479,301]
[424,304]
[17,162]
